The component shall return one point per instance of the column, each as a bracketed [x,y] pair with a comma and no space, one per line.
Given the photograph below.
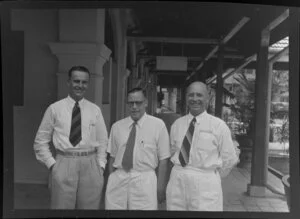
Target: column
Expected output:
[294,21]
[263,82]
[119,26]
[219,85]
[172,98]
[154,93]
[124,92]
[81,42]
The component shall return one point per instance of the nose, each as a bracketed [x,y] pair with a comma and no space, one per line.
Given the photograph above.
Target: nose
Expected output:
[194,97]
[80,84]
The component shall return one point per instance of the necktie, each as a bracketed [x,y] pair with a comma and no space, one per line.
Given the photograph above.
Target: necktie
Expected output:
[75,133]
[186,144]
[127,161]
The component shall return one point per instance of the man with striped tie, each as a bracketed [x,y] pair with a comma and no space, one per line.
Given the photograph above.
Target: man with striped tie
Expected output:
[138,144]
[78,132]
[201,151]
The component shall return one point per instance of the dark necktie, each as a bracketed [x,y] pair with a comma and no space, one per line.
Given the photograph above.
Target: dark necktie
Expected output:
[186,144]
[75,133]
[127,161]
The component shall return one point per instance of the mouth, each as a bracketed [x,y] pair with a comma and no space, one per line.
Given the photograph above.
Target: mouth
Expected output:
[78,91]
[195,105]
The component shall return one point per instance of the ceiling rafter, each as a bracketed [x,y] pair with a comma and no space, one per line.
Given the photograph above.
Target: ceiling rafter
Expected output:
[273,59]
[231,33]
[173,40]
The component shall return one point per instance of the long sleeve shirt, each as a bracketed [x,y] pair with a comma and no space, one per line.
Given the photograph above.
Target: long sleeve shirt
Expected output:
[212,147]
[56,125]
[151,144]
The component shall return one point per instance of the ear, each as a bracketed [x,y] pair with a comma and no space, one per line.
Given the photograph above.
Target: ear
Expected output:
[146,103]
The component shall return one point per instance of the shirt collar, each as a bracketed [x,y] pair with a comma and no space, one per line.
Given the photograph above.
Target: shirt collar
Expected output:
[140,122]
[71,101]
[198,118]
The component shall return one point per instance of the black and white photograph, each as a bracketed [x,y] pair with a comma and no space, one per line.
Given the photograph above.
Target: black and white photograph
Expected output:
[150,109]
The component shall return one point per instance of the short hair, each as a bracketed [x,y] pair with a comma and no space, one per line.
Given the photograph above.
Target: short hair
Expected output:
[137,89]
[78,68]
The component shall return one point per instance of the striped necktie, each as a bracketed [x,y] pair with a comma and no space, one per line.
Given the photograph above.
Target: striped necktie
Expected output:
[186,144]
[75,132]
[127,161]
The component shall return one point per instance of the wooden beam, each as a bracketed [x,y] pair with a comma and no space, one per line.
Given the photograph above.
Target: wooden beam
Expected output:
[194,58]
[173,40]
[278,55]
[231,33]
[237,27]
[263,87]
[173,73]
[226,75]
[248,60]
[293,108]
[278,20]
[219,85]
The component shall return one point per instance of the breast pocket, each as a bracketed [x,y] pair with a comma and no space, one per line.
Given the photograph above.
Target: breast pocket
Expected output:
[148,152]
[207,141]
[91,127]
[63,124]
[206,145]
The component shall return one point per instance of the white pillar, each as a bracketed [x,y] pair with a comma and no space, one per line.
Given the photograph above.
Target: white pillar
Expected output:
[81,42]
[92,56]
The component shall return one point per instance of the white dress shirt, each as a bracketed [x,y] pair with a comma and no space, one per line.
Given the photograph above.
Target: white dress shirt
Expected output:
[212,147]
[56,125]
[151,145]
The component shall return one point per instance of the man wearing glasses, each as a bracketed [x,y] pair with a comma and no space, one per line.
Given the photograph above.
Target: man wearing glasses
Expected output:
[138,144]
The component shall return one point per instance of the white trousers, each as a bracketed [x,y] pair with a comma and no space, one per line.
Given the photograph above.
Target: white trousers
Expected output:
[194,190]
[131,190]
[76,182]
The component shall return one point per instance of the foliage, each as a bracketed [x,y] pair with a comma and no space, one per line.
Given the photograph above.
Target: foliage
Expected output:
[243,108]
[280,92]
[284,132]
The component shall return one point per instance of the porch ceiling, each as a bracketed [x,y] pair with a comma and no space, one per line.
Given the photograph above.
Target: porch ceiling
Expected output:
[199,20]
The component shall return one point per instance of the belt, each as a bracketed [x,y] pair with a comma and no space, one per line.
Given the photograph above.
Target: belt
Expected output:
[190,168]
[76,153]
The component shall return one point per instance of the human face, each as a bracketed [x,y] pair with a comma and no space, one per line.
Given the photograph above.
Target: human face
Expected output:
[137,104]
[197,98]
[78,84]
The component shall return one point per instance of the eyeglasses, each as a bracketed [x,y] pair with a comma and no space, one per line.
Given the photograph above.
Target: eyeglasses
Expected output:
[137,103]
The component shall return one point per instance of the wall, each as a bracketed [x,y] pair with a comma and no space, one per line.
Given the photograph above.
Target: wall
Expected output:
[40,88]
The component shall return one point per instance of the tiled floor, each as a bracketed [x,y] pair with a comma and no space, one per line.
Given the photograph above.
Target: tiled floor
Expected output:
[236,199]
[29,196]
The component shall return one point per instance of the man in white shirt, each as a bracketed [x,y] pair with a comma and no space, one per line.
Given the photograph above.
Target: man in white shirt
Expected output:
[138,144]
[201,150]
[78,132]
